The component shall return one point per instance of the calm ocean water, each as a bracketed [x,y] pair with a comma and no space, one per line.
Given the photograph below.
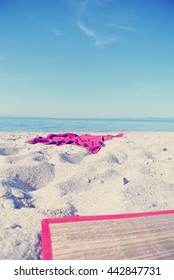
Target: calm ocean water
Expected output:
[17,124]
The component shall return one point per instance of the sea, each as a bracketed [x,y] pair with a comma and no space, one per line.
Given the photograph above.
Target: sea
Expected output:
[56,125]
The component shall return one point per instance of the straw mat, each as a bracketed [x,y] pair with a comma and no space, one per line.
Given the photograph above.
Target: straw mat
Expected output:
[129,236]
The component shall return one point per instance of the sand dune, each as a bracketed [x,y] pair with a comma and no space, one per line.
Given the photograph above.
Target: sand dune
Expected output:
[129,174]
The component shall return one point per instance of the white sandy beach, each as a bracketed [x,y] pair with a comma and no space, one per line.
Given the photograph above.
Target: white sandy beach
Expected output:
[39,181]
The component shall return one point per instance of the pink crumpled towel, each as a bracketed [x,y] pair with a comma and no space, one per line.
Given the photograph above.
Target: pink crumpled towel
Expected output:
[91,142]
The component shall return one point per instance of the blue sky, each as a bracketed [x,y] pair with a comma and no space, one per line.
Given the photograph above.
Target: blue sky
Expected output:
[87,58]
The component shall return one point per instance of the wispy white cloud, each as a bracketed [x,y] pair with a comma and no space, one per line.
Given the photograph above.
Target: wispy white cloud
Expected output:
[123,27]
[87,31]
[56,32]
[100,41]
[121,22]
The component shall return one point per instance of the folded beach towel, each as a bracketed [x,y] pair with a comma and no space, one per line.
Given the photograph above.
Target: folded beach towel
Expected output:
[91,142]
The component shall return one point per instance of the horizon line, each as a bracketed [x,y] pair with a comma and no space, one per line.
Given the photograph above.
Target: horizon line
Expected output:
[109,118]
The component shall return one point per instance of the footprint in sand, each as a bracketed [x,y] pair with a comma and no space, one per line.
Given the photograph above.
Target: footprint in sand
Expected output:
[13,198]
[30,178]
[40,156]
[8,151]
[111,158]
[73,158]
[13,202]
[16,182]
[70,210]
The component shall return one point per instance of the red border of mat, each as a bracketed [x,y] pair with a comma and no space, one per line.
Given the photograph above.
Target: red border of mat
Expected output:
[46,237]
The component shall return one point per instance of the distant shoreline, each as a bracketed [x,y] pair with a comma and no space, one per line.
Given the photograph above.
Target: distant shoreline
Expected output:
[92,118]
